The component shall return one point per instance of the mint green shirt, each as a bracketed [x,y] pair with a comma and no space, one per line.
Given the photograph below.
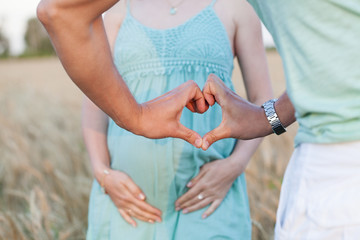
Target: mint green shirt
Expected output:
[319,42]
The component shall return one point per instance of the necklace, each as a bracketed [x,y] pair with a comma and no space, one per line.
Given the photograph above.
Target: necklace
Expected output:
[174,7]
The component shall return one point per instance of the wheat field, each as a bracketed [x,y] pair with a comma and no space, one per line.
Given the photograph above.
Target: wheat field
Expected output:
[45,175]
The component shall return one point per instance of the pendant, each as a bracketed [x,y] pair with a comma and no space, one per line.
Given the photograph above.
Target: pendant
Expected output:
[173,10]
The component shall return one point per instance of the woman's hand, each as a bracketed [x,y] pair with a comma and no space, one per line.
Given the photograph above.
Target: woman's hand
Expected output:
[129,199]
[210,186]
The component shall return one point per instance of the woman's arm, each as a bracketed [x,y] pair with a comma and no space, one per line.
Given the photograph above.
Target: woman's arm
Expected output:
[126,195]
[77,32]
[215,178]
[94,124]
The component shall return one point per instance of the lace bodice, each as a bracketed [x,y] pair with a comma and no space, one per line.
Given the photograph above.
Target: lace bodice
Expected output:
[199,44]
[153,62]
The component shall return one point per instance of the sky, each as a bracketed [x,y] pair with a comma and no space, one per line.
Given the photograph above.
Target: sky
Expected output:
[15,13]
[13,18]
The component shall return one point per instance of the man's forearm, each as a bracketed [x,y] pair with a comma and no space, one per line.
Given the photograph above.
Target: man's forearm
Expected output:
[285,110]
[78,35]
[241,119]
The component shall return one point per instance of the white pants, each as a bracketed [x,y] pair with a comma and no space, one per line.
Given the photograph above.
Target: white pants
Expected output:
[320,195]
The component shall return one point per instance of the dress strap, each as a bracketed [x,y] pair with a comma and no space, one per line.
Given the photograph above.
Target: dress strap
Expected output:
[212,3]
[128,6]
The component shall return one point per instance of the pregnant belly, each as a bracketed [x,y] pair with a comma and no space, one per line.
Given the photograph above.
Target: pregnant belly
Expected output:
[160,167]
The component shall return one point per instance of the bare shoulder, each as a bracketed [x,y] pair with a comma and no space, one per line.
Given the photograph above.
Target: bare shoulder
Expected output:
[244,14]
[115,14]
[237,12]
[113,19]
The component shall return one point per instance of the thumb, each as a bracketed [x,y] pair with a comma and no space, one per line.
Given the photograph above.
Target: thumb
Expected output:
[189,135]
[214,135]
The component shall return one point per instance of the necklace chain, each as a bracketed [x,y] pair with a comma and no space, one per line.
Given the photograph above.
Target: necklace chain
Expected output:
[174,7]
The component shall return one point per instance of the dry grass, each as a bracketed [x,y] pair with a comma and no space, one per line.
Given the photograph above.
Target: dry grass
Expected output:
[45,175]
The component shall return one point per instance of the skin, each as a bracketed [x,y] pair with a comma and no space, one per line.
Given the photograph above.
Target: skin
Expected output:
[81,43]
[241,119]
[215,178]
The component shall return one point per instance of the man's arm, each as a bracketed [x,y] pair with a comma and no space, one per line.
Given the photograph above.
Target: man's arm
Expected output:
[242,119]
[77,32]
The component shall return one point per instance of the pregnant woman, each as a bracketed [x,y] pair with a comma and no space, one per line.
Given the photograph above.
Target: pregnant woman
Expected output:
[137,194]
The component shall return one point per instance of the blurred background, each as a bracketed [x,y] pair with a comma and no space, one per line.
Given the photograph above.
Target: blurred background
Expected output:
[45,175]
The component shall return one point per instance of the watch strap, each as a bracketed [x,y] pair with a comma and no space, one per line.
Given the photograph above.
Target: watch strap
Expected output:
[272,117]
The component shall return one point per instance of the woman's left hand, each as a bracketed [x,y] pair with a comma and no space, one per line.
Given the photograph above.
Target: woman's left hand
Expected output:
[210,186]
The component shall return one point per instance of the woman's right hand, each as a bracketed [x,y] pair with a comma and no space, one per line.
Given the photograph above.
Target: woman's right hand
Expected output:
[129,199]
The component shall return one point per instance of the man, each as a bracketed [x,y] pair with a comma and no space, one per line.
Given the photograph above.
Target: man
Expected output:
[77,32]
[318,42]
[319,45]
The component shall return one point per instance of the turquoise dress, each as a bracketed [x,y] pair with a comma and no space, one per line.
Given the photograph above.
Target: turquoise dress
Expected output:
[152,62]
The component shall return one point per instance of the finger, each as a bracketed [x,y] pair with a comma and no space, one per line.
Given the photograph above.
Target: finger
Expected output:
[191,106]
[195,98]
[126,199]
[201,105]
[130,195]
[203,203]
[142,208]
[189,135]
[139,216]
[214,205]
[196,179]
[189,198]
[144,215]
[195,200]
[127,218]
[147,208]
[214,135]
[208,93]
[135,190]
[212,88]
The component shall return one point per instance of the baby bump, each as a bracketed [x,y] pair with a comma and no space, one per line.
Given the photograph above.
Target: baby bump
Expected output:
[151,163]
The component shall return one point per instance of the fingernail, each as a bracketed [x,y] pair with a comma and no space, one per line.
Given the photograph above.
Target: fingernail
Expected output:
[204,216]
[198,143]
[206,145]
[189,184]
[185,211]
[141,196]
[177,209]
[151,221]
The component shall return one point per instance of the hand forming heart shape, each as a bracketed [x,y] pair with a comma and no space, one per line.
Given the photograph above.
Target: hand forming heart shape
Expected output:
[161,116]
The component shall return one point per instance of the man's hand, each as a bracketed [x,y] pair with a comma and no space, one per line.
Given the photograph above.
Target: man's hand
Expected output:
[77,32]
[160,117]
[240,118]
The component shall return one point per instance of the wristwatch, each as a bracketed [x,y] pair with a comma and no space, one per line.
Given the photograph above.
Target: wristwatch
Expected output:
[272,117]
